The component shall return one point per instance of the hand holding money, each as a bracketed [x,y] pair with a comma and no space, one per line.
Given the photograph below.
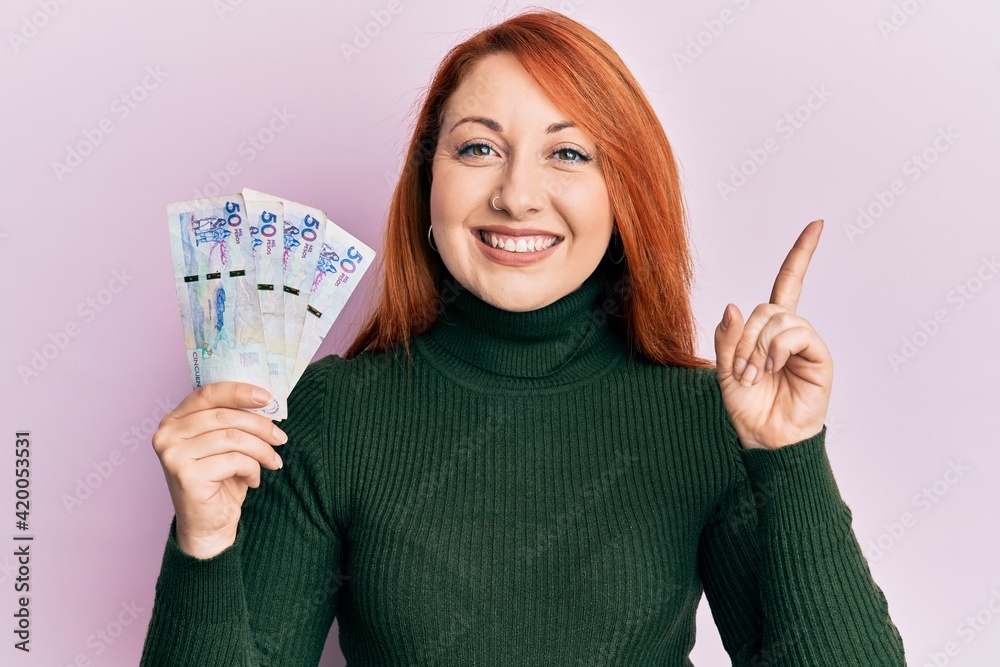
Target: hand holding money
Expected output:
[260,280]
[212,451]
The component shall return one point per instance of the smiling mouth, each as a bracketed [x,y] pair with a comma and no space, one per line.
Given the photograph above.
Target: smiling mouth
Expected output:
[518,244]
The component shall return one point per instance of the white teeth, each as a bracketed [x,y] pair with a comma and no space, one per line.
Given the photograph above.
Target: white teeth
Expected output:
[518,244]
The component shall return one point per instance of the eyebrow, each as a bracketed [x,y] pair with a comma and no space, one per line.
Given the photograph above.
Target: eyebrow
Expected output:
[497,127]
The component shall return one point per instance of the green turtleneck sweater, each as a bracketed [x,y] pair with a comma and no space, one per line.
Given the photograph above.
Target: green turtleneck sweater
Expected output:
[526,493]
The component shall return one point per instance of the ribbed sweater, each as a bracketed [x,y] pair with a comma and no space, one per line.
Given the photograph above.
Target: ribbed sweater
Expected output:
[526,492]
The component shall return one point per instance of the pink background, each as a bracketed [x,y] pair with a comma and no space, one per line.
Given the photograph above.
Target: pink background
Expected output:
[893,431]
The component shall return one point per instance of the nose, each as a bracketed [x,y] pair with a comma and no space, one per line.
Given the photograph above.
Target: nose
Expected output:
[524,191]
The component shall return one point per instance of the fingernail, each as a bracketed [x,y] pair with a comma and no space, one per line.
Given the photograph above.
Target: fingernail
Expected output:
[748,376]
[261,396]
[726,319]
[739,365]
[277,461]
[280,435]
[769,365]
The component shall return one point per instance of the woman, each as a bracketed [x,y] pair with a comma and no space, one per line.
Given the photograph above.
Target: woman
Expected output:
[521,460]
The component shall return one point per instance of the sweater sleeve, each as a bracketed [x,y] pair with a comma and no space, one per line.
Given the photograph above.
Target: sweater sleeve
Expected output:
[783,572]
[271,597]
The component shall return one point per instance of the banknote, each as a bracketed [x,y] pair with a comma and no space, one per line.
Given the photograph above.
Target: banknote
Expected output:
[260,281]
[304,230]
[216,282]
[267,231]
[343,260]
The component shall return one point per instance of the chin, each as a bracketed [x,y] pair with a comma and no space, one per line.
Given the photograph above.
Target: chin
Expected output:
[529,297]
[516,289]
[520,305]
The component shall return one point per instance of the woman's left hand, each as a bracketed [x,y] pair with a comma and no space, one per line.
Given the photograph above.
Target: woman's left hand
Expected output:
[780,393]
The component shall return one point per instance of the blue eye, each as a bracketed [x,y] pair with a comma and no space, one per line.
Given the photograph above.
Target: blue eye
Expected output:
[575,155]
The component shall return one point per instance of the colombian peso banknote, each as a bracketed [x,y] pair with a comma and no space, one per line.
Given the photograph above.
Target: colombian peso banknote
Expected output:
[215,278]
[343,260]
[304,228]
[260,281]
[266,230]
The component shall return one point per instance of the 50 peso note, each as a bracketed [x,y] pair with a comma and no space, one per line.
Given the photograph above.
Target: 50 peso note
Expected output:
[304,230]
[215,279]
[343,260]
[267,231]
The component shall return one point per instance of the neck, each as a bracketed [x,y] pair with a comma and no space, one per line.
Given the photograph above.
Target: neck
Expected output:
[564,342]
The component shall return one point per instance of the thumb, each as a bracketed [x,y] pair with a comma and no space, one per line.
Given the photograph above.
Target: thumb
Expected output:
[727,335]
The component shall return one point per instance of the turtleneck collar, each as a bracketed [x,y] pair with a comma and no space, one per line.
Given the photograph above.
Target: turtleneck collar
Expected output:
[482,345]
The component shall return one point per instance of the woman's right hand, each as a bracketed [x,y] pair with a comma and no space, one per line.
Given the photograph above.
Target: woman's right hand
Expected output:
[211,452]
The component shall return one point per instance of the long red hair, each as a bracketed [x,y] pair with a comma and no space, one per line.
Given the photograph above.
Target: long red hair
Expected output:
[650,289]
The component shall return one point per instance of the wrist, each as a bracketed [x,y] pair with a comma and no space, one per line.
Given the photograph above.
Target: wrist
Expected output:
[206,546]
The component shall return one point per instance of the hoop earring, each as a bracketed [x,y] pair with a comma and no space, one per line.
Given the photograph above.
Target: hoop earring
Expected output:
[608,250]
[493,203]
[430,239]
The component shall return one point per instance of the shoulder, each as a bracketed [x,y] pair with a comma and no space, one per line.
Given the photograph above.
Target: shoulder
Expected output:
[334,394]
[691,398]
[693,432]
[681,386]
[361,375]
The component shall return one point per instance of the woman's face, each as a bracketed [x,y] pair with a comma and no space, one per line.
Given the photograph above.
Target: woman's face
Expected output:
[502,137]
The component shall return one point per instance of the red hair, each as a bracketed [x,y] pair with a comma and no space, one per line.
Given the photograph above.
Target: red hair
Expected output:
[648,291]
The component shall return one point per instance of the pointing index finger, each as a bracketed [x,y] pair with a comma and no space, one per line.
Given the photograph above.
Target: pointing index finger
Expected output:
[788,284]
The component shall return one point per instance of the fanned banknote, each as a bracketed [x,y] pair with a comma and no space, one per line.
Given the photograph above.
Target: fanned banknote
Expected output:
[305,228]
[343,260]
[215,277]
[260,281]
[267,230]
